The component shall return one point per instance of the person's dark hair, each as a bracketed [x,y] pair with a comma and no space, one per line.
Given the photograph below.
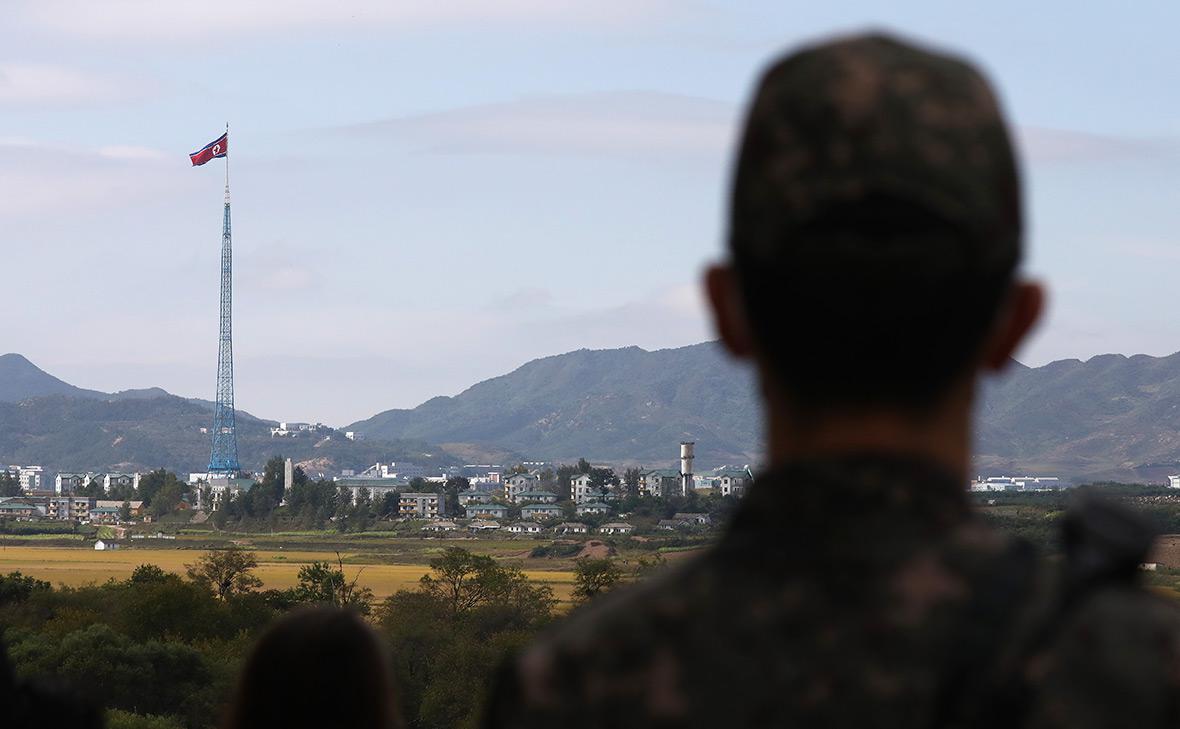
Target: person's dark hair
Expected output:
[317,667]
[875,222]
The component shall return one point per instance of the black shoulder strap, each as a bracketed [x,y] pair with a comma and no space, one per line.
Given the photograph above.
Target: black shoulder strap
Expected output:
[969,679]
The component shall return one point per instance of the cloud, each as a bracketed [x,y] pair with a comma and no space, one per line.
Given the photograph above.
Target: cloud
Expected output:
[287,278]
[618,122]
[152,20]
[527,297]
[33,85]
[36,179]
[1041,145]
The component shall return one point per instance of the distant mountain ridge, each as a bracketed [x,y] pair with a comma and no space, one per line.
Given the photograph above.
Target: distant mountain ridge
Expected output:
[20,379]
[48,422]
[626,405]
[1110,417]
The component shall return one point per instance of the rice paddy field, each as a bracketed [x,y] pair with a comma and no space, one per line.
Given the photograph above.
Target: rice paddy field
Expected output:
[277,568]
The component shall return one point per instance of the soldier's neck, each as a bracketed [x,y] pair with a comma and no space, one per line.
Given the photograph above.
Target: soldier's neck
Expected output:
[942,436]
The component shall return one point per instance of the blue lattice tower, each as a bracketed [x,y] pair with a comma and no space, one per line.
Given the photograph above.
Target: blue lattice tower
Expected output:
[224,459]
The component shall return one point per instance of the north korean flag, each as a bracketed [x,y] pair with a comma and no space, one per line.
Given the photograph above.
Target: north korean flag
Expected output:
[213,150]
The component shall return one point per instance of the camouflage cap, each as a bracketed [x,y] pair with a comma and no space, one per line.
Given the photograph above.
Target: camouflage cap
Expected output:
[870,117]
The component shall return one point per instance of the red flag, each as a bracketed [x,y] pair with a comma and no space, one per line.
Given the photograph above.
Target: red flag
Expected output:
[213,150]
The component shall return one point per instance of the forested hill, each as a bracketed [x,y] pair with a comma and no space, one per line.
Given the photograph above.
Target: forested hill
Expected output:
[626,405]
[1111,417]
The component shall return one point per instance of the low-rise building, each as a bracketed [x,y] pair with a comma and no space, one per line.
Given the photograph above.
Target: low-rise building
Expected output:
[119,481]
[483,525]
[474,496]
[582,489]
[70,508]
[103,545]
[424,505]
[222,488]
[571,527]
[697,518]
[671,524]
[31,478]
[375,486]
[71,483]
[104,515]
[616,527]
[487,511]
[519,483]
[541,511]
[440,526]
[536,497]
[659,482]
[17,508]
[592,507]
[134,507]
[525,527]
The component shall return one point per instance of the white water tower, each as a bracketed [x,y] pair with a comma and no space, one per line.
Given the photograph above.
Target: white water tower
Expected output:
[686,484]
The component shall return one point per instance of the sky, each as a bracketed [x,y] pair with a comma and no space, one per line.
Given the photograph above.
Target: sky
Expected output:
[429,194]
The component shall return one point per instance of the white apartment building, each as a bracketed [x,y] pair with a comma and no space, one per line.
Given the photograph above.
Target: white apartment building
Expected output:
[421,505]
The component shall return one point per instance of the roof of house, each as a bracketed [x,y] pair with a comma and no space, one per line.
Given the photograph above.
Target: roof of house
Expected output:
[661,473]
[617,525]
[571,525]
[16,506]
[539,494]
[527,524]
[484,524]
[487,507]
[593,504]
[541,507]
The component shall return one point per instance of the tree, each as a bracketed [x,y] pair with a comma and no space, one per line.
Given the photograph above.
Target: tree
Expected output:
[451,491]
[593,577]
[125,511]
[320,582]
[16,588]
[603,479]
[167,498]
[584,466]
[463,582]
[631,480]
[9,484]
[92,488]
[226,572]
[388,508]
[565,475]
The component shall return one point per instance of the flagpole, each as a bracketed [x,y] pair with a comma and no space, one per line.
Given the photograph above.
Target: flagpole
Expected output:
[227,163]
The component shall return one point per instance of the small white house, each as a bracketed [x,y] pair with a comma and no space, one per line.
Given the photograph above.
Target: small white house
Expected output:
[525,527]
[593,507]
[570,527]
[101,546]
[616,527]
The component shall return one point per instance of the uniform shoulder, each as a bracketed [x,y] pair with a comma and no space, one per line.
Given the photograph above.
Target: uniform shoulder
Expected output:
[1115,661]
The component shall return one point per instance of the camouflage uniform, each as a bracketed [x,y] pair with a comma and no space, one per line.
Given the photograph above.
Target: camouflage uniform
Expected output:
[863,591]
[858,592]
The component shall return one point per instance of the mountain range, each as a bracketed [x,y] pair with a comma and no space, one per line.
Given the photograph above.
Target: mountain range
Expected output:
[1110,417]
[48,422]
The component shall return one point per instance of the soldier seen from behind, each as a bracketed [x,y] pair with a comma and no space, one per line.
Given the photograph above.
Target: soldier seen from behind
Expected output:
[876,232]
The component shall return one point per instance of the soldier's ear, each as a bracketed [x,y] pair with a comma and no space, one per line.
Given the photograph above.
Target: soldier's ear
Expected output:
[1016,318]
[728,308]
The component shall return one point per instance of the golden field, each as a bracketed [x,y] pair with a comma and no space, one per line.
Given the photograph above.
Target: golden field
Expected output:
[276,569]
